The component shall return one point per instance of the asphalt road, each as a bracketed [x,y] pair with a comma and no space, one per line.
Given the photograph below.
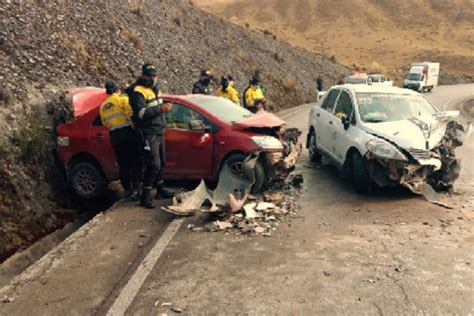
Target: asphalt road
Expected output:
[391,253]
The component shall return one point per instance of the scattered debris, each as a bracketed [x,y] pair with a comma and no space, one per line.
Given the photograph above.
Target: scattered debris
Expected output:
[7,299]
[176,310]
[327,273]
[262,206]
[166,304]
[434,197]
[370,280]
[156,303]
[397,269]
[223,225]
[297,180]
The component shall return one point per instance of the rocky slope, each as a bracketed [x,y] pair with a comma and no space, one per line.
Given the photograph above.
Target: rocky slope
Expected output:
[49,46]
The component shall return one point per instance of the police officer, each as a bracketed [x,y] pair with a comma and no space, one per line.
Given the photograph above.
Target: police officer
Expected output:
[254,100]
[115,113]
[202,86]
[226,90]
[148,112]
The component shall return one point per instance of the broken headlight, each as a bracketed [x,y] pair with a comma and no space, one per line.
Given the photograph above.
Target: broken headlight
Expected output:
[267,142]
[383,149]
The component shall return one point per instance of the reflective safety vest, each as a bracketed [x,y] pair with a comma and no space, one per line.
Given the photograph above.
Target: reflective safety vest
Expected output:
[230,94]
[254,93]
[151,98]
[116,112]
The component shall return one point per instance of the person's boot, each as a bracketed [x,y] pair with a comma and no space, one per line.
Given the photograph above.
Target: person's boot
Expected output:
[163,194]
[134,193]
[146,200]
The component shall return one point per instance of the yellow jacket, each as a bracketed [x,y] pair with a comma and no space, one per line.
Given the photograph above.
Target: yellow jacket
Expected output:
[254,93]
[116,112]
[230,94]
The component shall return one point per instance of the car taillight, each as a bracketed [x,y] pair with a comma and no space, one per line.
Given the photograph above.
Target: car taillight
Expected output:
[62,140]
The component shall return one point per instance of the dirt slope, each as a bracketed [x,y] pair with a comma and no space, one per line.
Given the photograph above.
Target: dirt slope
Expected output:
[49,46]
[383,35]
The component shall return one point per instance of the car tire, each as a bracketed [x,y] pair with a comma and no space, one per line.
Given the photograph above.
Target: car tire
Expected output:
[360,174]
[314,154]
[235,163]
[87,180]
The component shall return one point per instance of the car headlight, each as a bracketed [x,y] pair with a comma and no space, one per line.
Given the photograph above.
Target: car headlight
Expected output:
[383,149]
[267,142]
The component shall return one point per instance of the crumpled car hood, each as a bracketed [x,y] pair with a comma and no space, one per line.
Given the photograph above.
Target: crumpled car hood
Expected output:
[410,134]
[86,99]
[262,119]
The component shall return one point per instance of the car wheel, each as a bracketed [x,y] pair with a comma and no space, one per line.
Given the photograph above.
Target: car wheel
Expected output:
[235,163]
[360,174]
[86,180]
[314,154]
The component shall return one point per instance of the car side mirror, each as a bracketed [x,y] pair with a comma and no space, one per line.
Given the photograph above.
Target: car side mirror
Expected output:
[346,121]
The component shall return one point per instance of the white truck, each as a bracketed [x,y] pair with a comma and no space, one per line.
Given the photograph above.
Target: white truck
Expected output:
[422,77]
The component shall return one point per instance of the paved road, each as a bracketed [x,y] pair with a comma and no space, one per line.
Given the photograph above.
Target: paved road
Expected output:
[392,253]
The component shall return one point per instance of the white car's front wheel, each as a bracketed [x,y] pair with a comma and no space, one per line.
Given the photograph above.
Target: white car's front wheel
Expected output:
[314,154]
[360,174]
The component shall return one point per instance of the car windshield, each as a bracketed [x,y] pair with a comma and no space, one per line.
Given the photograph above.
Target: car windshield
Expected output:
[415,77]
[385,107]
[356,80]
[222,108]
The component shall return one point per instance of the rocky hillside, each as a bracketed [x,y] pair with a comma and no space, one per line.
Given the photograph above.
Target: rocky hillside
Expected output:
[49,46]
[379,35]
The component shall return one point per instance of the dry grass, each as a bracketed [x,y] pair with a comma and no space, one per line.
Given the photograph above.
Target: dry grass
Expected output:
[133,37]
[138,8]
[80,52]
[6,96]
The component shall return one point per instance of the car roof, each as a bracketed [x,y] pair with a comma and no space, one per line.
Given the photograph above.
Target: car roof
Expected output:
[357,88]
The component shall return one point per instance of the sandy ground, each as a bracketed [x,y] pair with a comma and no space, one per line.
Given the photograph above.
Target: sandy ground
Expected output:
[390,253]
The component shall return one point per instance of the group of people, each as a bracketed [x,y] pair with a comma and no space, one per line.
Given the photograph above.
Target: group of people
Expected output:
[253,97]
[136,123]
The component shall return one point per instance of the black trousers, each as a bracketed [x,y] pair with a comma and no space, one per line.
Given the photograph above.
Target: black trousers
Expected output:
[126,147]
[154,158]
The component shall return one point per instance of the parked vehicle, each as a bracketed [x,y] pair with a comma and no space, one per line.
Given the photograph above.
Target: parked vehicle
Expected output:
[422,77]
[373,79]
[385,136]
[202,133]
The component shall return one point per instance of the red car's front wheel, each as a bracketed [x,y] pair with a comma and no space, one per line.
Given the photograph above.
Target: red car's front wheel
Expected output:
[235,163]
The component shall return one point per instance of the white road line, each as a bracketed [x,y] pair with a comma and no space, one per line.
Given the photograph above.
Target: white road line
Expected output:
[123,301]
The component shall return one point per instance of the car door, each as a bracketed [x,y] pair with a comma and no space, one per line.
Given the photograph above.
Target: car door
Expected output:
[100,146]
[341,138]
[325,119]
[189,144]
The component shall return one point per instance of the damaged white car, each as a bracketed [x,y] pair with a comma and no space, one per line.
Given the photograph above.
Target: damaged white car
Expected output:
[386,136]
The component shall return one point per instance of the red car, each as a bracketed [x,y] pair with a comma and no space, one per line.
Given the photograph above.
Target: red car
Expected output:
[202,133]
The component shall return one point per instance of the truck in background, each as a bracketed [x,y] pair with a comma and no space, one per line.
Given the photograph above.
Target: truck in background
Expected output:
[422,77]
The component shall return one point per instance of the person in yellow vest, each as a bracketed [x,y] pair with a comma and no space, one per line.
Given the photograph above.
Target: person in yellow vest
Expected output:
[148,118]
[254,100]
[116,115]
[226,90]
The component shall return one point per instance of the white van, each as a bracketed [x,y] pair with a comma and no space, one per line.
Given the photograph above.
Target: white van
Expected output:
[422,77]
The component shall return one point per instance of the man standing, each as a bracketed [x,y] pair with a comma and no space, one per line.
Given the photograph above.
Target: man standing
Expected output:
[226,90]
[148,110]
[254,100]
[115,114]
[319,84]
[202,86]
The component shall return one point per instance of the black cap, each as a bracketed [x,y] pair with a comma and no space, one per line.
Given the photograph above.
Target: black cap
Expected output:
[231,78]
[110,86]
[149,70]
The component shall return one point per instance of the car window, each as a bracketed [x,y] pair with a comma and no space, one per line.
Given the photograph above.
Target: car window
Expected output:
[330,100]
[344,105]
[181,116]
[97,121]
[222,108]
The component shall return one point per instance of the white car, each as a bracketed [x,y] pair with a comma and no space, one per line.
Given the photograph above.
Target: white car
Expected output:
[385,136]
[378,79]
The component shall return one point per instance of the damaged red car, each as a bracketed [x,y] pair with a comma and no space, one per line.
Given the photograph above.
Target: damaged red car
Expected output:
[202,133]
